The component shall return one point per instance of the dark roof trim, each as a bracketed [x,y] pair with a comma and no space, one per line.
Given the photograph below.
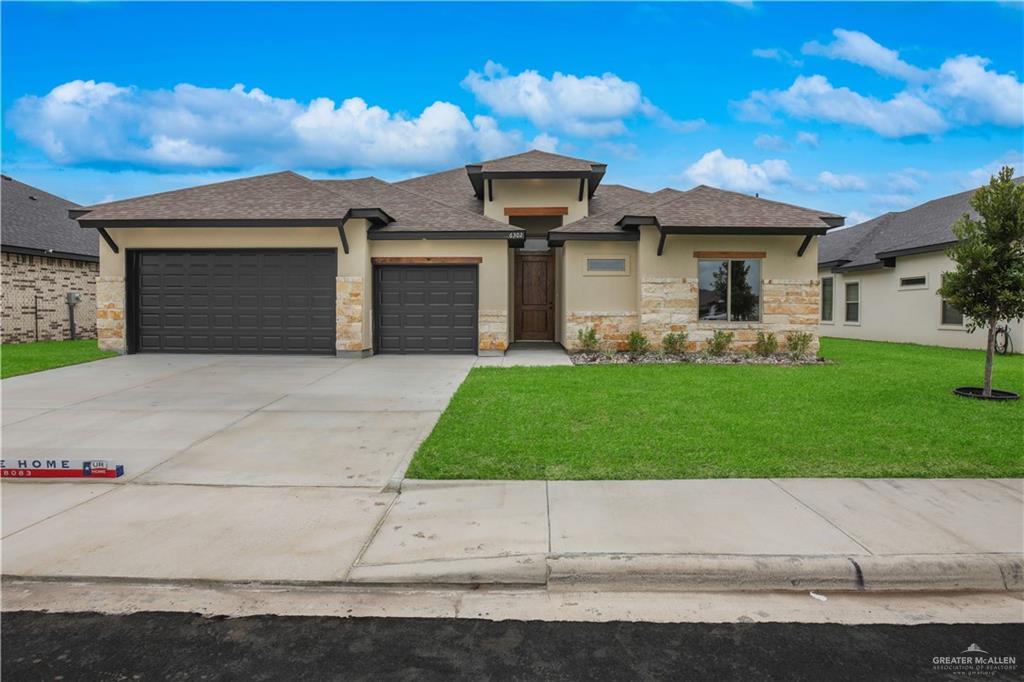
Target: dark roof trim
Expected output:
[49,253]
[928,248]
[856,268]
[376,216]
[768,231]
[559,238]
[510,234]
[831,263]
[629,222]
[477,176]
[833,221]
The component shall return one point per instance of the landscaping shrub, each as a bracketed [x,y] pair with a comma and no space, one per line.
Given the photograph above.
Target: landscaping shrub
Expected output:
[766,344]
[798,343]
[587,339]
[674,343]
[637,344]
[719,342]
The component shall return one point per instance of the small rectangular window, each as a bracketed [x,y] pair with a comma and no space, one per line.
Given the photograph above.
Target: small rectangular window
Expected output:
[827,289]
[606,265]
[916,282]
[853,302]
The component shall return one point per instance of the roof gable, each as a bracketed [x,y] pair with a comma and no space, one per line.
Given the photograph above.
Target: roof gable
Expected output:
[38,221]
[536,161]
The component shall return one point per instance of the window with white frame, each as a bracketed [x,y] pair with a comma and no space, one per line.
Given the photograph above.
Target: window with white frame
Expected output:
[729,290]
[827,291]
[852,302]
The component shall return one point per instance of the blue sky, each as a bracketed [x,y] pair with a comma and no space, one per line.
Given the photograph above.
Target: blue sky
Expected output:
[852,108]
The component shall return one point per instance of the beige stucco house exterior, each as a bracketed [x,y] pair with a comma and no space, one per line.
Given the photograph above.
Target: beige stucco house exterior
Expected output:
[879,279]
[528,248]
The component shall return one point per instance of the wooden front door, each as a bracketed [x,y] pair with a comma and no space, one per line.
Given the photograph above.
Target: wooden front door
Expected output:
[535,297]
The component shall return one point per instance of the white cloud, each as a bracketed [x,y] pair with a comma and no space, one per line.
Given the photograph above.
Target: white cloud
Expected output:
[813,97]
[189,126]
[719,170]
[544,142]
[775,54]
[842,182]
[855,218]
[892,202]
[586,106]
[860,48]
[907,181]
[773,143]
[962,91]
[809,139]
[981,175]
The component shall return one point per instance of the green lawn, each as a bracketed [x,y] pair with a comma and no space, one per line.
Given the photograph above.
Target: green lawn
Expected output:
[25,358]
[882,410]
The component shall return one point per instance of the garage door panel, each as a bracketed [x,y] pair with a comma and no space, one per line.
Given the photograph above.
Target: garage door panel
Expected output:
[224,301]
[428,309]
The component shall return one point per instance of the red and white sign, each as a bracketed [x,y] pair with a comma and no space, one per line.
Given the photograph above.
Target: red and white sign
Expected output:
[59,468]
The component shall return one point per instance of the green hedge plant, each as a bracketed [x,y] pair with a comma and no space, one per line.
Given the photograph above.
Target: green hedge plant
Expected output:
[637,344]
[719,342]
[587,339]
[674,343]
[798,344]
[766,345]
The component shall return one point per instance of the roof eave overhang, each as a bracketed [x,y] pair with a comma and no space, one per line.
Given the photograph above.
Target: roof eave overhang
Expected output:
[766,231]
[507,235]
[927,248]
[375,216]
[833,221]
[876,265]
[559,238]
[49,253]
[831,264]
[477,176]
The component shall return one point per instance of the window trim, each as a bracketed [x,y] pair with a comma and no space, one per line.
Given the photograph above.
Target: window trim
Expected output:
[859,302]
[587,272]
[947,326]
[728,293]
[821,303]
[912,287]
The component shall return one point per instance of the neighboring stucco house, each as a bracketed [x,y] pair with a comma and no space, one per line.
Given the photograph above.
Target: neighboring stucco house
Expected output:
[531,247]
[45,257]
[879,278]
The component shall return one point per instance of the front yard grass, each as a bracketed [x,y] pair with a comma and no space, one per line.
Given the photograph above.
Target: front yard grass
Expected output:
[25,358]
[883,410]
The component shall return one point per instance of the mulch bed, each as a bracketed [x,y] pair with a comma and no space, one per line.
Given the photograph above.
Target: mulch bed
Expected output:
[598,358]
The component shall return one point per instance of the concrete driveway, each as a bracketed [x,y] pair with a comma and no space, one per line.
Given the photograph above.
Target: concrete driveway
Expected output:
[242,461]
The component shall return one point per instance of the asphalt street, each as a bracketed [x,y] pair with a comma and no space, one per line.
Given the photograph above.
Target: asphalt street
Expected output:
[177,646]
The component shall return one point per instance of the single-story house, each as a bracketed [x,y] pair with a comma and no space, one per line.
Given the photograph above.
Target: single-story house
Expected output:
[45,257]
[531,247]
[879,278]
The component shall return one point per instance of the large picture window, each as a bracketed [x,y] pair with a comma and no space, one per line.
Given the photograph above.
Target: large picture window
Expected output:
[827,291]
[730,290]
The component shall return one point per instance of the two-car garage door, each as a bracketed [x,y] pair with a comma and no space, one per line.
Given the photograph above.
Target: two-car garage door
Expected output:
[283,301]
[234,301]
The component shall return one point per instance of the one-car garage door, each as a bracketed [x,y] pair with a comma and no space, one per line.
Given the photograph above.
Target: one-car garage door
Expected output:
[425,309]
[234,301]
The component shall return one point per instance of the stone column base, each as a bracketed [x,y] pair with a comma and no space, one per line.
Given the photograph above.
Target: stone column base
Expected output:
[110,330]
[492,329]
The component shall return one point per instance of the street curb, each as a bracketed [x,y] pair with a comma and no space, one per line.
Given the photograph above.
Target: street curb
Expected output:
[687,573]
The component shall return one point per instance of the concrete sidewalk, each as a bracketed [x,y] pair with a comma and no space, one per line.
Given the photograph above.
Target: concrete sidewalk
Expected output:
[743,534]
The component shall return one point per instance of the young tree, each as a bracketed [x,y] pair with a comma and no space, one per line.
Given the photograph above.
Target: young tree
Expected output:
[988,282]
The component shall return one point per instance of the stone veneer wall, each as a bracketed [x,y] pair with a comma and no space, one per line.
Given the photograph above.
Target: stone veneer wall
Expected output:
[612,328]
[492,330]
[669,304]
[110,313]
[34,291]
[350,307]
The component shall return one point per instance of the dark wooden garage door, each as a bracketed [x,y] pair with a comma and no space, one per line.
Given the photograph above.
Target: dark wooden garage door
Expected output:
[425,309]
[234,301]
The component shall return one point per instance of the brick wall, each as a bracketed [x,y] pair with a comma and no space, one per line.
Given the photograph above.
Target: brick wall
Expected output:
[24,279]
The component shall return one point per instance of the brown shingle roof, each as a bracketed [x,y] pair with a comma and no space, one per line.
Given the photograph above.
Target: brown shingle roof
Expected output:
[414,212]
[536,161]
[451,187]
[285,196]
[611,196]
[707,207]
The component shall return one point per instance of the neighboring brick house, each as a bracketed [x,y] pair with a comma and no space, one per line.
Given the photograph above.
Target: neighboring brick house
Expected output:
[528,248]
[46,255]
